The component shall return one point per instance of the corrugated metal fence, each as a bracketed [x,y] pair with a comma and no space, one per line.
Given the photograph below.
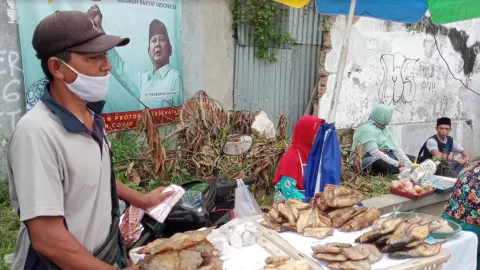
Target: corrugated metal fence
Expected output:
[283,86]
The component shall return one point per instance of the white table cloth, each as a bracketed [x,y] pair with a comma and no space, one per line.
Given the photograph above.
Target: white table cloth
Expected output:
[245,258]
[464,252]
[463,248]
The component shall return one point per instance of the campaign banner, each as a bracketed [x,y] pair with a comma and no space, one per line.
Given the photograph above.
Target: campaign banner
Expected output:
[148,72]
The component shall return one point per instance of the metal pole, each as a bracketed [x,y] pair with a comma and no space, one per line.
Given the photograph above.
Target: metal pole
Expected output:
[341,65]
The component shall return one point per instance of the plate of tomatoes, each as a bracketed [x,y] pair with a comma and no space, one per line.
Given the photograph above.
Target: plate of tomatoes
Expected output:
[411,189]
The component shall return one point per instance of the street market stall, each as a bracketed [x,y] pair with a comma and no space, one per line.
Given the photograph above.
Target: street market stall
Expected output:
[346,236]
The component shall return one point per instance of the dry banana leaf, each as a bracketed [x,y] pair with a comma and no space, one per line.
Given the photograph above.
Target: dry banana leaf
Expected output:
[132,174]
[282,126]
[146,123]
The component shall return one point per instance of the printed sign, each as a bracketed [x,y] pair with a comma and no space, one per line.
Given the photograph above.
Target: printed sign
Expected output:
[147,72]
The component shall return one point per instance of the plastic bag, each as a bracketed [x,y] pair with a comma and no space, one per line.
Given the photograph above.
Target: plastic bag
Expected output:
[236,233]
[263,125]
[425,169]
[245,204]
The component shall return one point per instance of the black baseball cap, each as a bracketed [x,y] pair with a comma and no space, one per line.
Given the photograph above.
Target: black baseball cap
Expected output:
[73,31]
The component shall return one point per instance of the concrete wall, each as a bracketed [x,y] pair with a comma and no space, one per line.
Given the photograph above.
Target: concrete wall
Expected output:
[399,65]
[208,49]
[208,59]
[12,95]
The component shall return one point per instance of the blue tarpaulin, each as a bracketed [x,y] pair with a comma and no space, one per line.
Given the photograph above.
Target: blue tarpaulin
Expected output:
[407,11]
[323,162]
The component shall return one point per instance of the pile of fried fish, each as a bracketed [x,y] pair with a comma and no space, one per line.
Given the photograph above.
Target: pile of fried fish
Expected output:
[187,251]
[403,238]
[346,256]
[333,208]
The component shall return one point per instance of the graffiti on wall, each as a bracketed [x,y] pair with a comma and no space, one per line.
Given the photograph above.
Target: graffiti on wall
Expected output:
[11,84]
[12,99]
[398,84]
[406,78]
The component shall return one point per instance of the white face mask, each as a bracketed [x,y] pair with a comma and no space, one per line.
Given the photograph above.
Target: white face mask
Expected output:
[88,88]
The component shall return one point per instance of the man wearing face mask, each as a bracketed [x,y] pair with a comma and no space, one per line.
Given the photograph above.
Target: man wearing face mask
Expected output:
[159,87]
[61,175]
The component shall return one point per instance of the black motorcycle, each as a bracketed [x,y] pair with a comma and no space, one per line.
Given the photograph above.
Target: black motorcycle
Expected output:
[205,203]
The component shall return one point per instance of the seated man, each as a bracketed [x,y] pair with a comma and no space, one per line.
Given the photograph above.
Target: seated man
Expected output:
[445,147]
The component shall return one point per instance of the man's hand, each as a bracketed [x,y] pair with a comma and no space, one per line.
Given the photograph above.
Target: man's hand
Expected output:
[462,161]
[97,16]
[155,197]
[467,163]
[142,201]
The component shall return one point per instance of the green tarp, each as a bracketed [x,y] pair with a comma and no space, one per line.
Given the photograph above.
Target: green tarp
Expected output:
[445,11]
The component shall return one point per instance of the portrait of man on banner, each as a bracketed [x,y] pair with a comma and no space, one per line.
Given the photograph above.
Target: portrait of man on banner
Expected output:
[160,87]
[146,73]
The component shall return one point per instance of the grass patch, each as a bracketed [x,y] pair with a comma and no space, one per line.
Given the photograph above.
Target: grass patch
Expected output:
[9,225]
[267,200]
[126,147]
[370,185]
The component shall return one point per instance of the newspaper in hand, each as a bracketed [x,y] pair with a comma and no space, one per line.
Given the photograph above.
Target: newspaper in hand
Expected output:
[161,211]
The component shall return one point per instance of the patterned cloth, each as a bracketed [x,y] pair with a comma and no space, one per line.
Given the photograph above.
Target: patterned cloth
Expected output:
[464,204]
[287,187]
[130,228]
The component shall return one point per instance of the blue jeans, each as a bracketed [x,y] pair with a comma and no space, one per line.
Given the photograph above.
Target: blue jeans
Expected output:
[456,166]
[374,165]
